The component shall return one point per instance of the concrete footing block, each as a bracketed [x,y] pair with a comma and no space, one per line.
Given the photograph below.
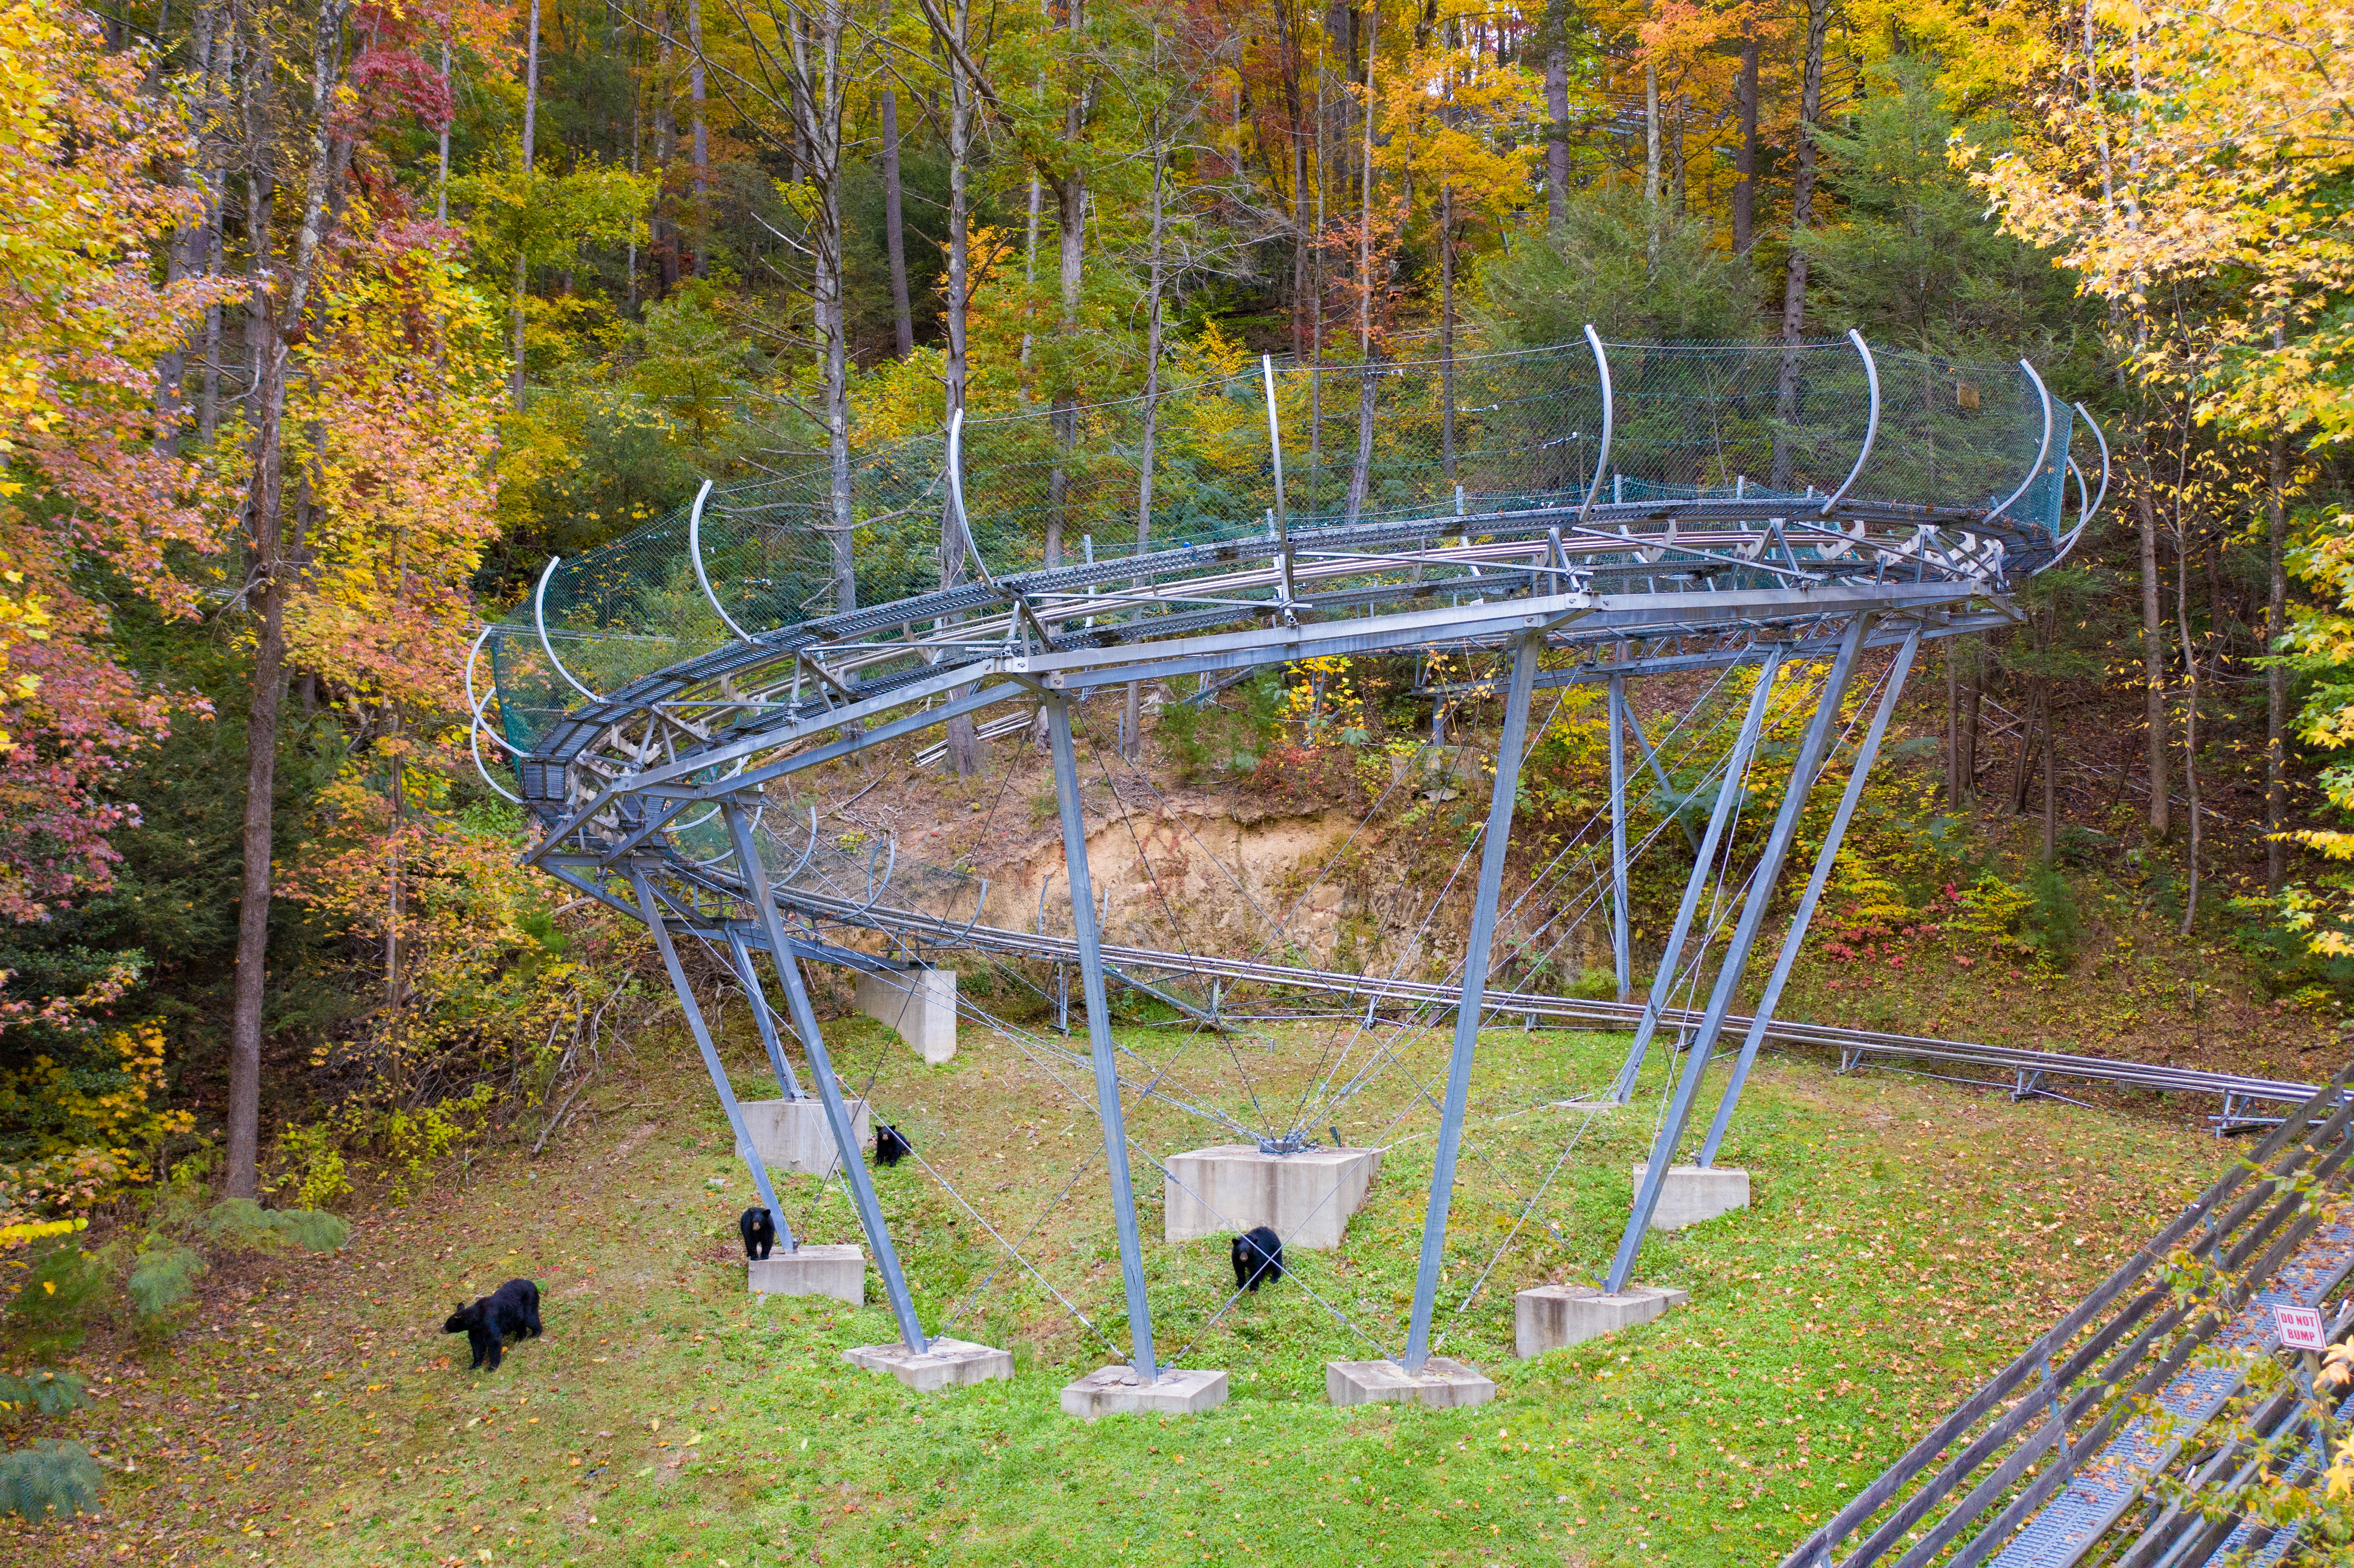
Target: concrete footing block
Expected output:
[1114,1391]
[1695,1192]
[816,1269]
[920,1003]
[945,1363]
[1306,1197]
[1443,1383]
[1551,1316]
[792,1135]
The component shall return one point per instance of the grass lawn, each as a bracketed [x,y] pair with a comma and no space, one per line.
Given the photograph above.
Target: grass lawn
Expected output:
[1906,1237]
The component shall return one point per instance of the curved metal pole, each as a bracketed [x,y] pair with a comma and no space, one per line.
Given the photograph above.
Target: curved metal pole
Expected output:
[474,741]
[2085,513]
[694,554]
[956,495]
[539,619]
[1601,459]
[2042,451]
[472,655]
[1275,453]
[1870,429]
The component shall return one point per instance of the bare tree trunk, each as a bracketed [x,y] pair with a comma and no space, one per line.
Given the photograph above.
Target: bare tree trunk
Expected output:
[2153,661]
[2189,712]
[1952,728]
[894,242]
[664,225]
[2051,781]
[1360,473]
[2277,676]
[268,578]
[963,743]
[1802,209]
[441,171]
[1071,218]
[1447,331]
[1556,86]
[530,113]
[1132,732]
[699,213]
[1651,167]
[1745,183]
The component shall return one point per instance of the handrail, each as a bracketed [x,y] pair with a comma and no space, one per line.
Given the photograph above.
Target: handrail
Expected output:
[1602,458]
[694,554]
[1871,426]
[539,619]
[2042,451]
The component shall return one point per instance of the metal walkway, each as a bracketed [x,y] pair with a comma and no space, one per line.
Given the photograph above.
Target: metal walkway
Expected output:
[920,934]
[2116,1435]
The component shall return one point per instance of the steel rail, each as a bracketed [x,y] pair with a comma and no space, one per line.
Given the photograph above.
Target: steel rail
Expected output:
[947,934]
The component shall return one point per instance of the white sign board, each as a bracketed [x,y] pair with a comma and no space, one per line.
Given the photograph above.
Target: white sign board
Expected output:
[2300,1328]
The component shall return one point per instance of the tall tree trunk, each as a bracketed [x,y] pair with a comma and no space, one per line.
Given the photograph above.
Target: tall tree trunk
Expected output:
[269,575]
[895,240]
[1360,472]
[1744,158]
[1447,331]
[2153,664]
[1952,728]
[963,743]
[530,113]
[1802,209]
[664,225]
[1651,155]
[1556,85]
[2275,677]
[1071,218]
[2189,712]
[1131,731]
[629,263]
[699,212]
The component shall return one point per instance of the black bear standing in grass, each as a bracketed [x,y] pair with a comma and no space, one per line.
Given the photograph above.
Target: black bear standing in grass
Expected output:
[510,1312]
[760,1228]
[1259,1255]
[890,1147]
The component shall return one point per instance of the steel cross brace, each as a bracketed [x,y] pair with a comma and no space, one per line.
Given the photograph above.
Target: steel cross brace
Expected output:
[1728,794]
[779,1063]
[1099,1041]
[1621,955]
[1864,756]
[1475,984]
[1803,770]
[829,1087]
[650,911]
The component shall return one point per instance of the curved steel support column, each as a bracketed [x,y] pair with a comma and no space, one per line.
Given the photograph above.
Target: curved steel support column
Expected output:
[474,741]
[1601,459]
[765,1017]
[1791,939]
[694,554]
[2044,450]
[1275,453]
[1803,770]
[1870,429]
[1099,1041]
[1475,984]
[956,495]
[650,910]
[1728,794]
[539,619]
[855,1173]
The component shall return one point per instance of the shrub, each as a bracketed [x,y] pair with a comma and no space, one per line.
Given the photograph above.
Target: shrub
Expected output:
[241,1222]
[49,1478]
[165,1276]
[41,1394]
[50,1312]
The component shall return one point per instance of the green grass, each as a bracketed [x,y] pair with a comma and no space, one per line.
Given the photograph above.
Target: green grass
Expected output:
[1905,1237]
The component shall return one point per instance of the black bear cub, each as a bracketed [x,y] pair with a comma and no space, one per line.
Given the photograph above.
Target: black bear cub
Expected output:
[1259,1255]
[890,1146]
[510,1312]
[760,1228]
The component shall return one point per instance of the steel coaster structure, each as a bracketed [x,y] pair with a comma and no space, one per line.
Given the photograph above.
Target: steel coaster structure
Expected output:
[2137,1429]
[1588,513]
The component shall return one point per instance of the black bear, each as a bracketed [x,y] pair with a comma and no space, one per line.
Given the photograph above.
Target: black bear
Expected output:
[510,1312]
[760,1228]
[890,1146]
[1259,1255]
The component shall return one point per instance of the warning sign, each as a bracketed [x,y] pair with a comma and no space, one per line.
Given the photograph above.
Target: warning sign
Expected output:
[2300,1328]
